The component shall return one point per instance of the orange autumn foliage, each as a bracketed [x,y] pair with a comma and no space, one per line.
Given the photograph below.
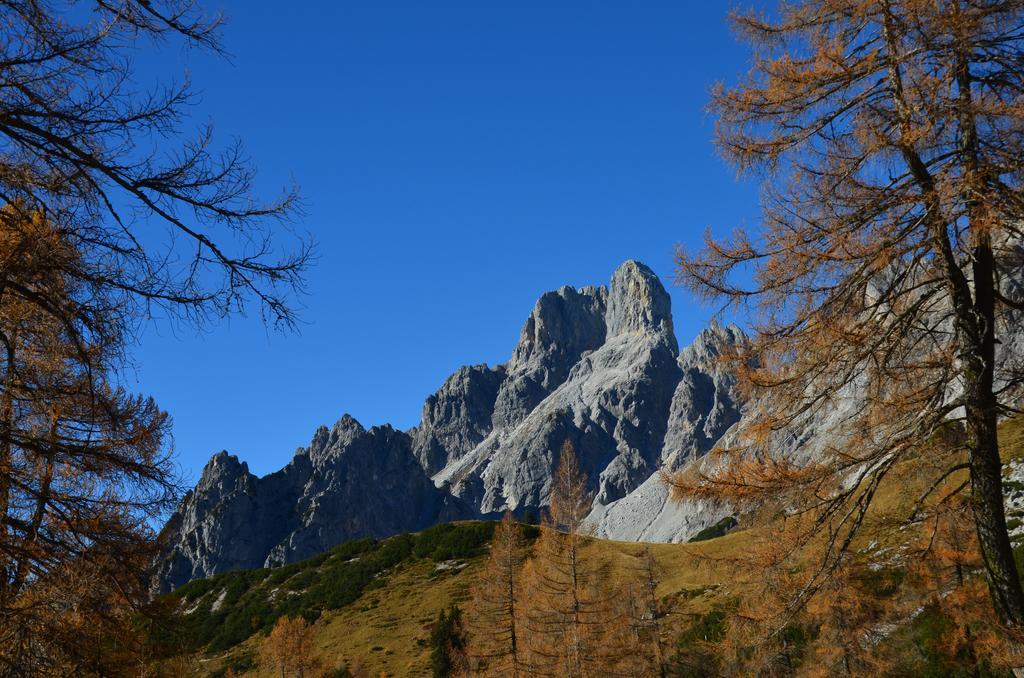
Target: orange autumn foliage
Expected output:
[890,135]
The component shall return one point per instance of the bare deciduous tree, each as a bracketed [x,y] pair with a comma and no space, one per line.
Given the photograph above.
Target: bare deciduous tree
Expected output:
[158,218]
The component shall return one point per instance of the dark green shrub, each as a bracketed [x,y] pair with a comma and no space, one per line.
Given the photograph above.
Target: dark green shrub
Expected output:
[281,574]
[694,656]
[253,600]
[882,582]
[719,529]
[451,542]
[195,589]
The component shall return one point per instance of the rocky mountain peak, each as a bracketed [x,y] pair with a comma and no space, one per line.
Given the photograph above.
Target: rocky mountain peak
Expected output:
[223,468]
[320,440]
[566,322]
[597,366]
[637,301]
[706,402]
[563,325]
[458,416]
[711,343]
[327,442]
[348,423]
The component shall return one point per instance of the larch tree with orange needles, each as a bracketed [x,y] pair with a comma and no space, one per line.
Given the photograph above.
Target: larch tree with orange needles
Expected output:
[572,625]
[641,648]
[287,648]
[557,619]
[84,465]
[109,214]
[494,615]
[945,557]
[887,270]
[857,611]
[650,572]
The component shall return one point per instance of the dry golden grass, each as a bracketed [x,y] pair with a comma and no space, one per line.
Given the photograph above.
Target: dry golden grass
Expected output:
[1011,439]
[386,629]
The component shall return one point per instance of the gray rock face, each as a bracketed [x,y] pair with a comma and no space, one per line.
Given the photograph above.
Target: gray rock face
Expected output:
[230,520]
[613,404]
[597,366]
[638,302]
[363,484]
[1010,350]
[349,483]
[458,417]
[705,406]
[706,403]
[563,325]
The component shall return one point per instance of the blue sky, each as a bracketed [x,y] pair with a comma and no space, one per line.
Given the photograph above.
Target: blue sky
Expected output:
[456,159]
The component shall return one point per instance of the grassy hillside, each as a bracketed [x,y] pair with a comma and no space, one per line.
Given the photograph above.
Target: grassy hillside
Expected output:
[373,602]
[389,628]
[221,612]
[1011,439]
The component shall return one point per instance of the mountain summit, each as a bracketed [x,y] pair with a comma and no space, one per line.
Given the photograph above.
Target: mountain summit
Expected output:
[599,366]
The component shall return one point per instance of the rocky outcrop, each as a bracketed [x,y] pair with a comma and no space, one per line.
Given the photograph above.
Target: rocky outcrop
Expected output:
[562,327]
[230,521]
[706,402]
[458,417]
[705,405]
[363,483]
[598,366]
[349,483]
[612,404]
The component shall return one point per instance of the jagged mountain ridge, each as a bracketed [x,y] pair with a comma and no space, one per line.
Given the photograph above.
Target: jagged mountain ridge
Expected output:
[599,366]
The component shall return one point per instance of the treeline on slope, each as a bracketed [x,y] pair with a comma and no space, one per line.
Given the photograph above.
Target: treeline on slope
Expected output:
[931,641]
[893,608]
[563,609]
[885,616]
[217,613]
[929,644]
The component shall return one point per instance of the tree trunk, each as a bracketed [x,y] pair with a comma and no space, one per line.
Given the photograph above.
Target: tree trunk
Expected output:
[511,573]
[652,604]
[577,650]
[987,505]
[6,448]
[983,446]
[977,333]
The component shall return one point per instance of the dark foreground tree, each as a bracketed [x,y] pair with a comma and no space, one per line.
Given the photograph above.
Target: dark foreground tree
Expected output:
[83,467]
[448,644]
[159,219]
[108,216]
[891,133]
